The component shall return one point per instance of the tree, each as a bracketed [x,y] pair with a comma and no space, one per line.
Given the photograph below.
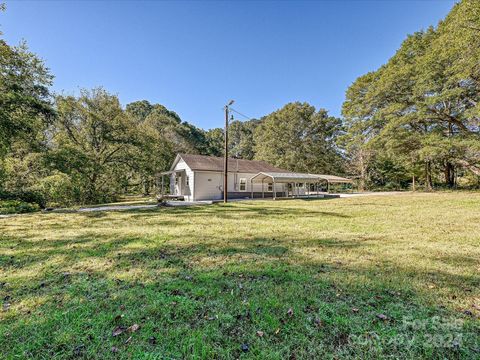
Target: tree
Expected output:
[216,140]
[25,103]
[299,138]
[91,142]
[25,112]
[240,139]
[242,143]
[420,108]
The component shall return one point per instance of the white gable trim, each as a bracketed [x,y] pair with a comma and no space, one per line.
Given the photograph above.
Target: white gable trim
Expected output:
[177,159]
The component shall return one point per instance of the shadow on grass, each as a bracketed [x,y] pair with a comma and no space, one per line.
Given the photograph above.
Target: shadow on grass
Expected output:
[232,212]
[205,297]
[209,313]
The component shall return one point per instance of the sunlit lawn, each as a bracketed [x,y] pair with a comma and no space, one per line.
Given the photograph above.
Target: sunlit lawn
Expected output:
[370,277]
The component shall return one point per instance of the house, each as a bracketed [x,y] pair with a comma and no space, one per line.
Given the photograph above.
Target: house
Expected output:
[199,177]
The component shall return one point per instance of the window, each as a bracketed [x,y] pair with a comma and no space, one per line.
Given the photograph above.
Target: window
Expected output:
[243,184]
[176,180]
[270,187]
[186,181]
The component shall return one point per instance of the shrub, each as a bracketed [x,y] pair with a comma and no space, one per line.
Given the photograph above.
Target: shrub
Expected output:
[32,197]
[17,207]
[57,189]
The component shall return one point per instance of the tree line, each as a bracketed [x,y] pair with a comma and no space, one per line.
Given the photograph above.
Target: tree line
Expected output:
[417,118]
[413,123]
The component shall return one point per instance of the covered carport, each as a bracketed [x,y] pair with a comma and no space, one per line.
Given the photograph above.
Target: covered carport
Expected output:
[293,180]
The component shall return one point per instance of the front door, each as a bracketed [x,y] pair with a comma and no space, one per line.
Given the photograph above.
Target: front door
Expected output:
[178,184]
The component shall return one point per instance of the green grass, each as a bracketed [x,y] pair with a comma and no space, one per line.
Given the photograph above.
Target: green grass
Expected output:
[370,277]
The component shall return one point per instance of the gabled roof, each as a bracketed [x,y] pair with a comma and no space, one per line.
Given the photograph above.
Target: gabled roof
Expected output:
[213,163]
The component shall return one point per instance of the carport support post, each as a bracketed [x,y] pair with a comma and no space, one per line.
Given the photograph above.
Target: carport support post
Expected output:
[251,187]
[263,190]
[274,192]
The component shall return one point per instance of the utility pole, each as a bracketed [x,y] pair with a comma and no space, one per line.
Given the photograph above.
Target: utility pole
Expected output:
[225,163]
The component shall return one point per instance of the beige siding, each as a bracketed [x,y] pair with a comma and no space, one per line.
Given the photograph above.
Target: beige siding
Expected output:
[209,184]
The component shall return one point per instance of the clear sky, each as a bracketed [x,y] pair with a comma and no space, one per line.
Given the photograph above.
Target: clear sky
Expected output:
[193,57]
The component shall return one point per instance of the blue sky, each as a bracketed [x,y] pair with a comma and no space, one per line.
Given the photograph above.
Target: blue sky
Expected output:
[194,56]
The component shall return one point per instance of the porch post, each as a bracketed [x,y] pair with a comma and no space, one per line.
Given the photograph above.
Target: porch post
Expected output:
[274,192]
[251,187]
[263,190]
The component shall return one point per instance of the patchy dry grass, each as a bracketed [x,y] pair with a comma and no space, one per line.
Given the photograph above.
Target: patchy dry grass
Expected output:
[370,277]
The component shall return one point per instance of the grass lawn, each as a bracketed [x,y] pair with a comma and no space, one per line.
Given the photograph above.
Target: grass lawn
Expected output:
[370,277]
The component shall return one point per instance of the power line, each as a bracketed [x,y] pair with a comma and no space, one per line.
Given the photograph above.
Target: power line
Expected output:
[239,113]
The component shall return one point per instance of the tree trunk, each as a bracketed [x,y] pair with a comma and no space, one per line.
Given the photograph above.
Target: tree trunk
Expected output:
[449,174]
[146,186]
[363,173]
[92,191]
[413,183]
[428,176]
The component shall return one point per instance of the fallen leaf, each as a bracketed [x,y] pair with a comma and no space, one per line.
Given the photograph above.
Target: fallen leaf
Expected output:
[260,333]
[355,310]
[133,328]
[244,347]
[118,331]
[128,340]
[114,349]
[152,340]
[277,331]
[468,312]
[290,312]
[382,317]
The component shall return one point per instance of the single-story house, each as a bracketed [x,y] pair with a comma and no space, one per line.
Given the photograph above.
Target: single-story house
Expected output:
[199,177]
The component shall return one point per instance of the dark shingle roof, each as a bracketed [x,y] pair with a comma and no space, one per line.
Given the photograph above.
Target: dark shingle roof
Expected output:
[212,163]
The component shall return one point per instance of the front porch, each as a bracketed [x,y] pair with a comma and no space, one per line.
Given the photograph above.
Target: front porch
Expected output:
[178,185]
